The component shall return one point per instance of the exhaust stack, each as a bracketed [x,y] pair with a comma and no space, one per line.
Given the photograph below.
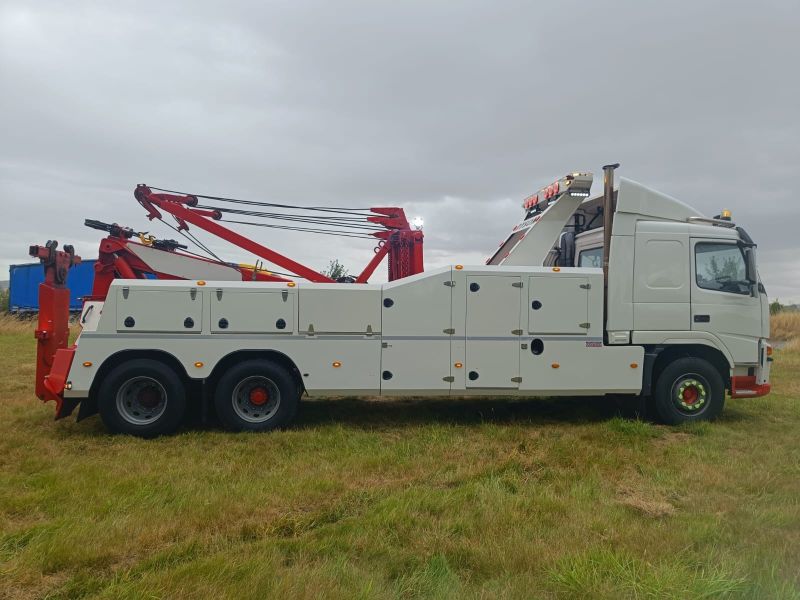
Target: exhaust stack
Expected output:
[608,220]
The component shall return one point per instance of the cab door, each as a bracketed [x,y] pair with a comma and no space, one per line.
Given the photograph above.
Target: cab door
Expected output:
[493,331]
[724,302]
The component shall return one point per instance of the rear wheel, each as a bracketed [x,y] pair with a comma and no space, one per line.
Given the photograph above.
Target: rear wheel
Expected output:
[689,389]
[256,395]
[142,397]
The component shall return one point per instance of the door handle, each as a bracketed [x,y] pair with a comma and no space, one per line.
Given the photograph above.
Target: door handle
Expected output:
[702,318]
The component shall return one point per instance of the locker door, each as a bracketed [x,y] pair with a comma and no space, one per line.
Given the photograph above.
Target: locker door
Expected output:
[493,333]
[558,304]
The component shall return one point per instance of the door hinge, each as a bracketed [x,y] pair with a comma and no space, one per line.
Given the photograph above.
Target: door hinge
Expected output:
[369,329]
[310,329]
[449,331]
[219,294]
[586,286]
[450,283]
[516,379]
[517,284]
[516,332]
[193,293]
[584,325]
[284,295]
[125,292]
[449,378]
[384,344]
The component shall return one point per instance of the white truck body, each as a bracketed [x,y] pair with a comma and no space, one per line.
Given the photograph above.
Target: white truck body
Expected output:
[519,326]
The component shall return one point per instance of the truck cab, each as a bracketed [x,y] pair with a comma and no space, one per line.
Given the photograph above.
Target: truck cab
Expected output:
[678,282]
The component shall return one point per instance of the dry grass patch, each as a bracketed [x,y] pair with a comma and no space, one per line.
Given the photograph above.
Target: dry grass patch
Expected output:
[12,324]
[785,326]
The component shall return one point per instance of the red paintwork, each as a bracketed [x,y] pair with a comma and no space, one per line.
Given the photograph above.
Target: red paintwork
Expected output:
[745,386]
[53,358]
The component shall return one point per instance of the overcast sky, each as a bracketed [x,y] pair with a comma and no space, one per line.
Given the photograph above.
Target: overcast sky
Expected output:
[454,110]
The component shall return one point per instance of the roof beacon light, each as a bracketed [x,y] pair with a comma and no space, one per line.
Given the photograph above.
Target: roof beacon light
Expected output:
[418,222]
[575,184]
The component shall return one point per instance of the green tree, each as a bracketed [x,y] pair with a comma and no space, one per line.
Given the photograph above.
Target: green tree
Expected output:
[775,307]
[336,270]
[4,294]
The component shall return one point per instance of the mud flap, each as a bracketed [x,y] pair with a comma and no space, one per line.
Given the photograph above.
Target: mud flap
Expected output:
[87,409]
[66,407]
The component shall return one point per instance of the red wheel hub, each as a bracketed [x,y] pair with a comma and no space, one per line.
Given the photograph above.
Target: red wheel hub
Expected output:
[690,395]
[258,396]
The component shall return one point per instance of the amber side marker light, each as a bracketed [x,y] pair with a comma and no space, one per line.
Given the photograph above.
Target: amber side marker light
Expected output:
[88,363]
[291,284]
[459,267]
[458,365]
[336,364]
[199,364]
[634,365]
[769,350]
[201,282]
[555,365]
[556,269]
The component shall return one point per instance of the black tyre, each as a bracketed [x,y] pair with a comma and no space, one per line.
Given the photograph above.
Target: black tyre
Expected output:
[256,395]
[689,389]
[142,397]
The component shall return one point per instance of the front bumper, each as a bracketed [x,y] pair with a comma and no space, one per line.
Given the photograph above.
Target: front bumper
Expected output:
[744,386]
[753,386]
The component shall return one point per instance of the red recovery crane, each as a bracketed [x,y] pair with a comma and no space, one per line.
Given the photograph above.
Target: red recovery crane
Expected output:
[122,257]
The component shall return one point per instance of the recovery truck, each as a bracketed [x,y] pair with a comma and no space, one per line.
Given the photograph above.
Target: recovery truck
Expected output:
[626,292]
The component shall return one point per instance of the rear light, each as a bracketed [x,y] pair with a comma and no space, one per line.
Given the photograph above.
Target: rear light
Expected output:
[769,350]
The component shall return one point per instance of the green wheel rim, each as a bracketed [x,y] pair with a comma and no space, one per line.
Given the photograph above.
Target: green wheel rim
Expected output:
[691,394]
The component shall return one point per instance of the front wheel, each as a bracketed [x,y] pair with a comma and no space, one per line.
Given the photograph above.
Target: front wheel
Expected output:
[689,389]
[142,397]
[256,395]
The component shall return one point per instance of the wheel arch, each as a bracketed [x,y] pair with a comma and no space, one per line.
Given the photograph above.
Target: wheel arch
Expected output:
[120,357]
[657,358]
[240,355]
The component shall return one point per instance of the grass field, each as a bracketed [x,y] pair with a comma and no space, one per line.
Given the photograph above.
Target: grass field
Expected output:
[445,499]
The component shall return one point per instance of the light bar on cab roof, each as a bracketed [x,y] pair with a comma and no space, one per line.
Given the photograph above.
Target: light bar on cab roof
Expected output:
[577,184]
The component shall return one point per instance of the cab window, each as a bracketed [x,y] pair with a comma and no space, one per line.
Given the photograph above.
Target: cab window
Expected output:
[591,257]
[721,267]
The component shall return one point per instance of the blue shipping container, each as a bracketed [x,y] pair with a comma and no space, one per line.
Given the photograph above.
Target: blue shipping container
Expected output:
[24,283]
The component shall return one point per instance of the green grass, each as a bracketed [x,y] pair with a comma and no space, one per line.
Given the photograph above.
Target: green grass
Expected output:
[405,498]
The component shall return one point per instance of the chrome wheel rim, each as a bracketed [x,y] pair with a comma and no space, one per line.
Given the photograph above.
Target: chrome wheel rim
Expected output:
[256,399]
[141,400]
[691,394]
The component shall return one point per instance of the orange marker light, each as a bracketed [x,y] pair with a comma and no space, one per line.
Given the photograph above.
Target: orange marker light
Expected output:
[201,282]
[556,269]
[198,364]
[459,267]
[769,350]
[634,365]
[291,284]
[458,365]
[336,364]
[88,363]
[555,365]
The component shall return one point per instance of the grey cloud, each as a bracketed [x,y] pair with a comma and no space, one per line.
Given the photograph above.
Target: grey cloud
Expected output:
[454,110]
